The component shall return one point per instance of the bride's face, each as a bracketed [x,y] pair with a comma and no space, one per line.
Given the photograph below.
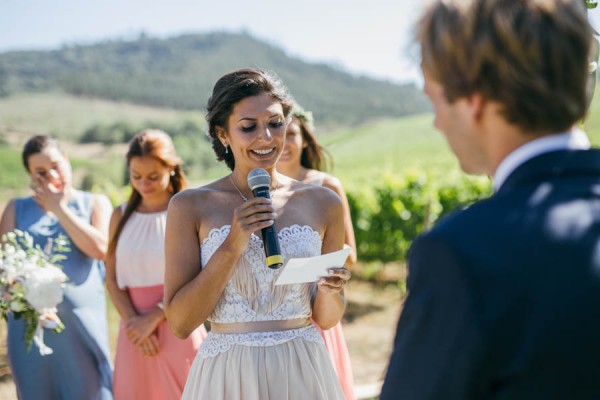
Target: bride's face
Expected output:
[256,132]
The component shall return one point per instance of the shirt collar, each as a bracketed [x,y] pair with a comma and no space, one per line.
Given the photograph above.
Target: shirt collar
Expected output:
[575,139]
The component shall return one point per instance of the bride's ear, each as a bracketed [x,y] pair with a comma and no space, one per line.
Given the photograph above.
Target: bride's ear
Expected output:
[222,136]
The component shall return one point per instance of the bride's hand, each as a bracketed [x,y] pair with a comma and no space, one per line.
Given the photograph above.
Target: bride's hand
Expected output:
[255,214]
[335,282]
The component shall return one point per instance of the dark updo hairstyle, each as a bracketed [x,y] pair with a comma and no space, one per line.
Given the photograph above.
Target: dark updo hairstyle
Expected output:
[232,88]
[158,145]
[314,156]
[35,145]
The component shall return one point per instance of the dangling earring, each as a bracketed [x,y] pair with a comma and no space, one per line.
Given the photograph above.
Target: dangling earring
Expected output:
[226,149]
[172,172]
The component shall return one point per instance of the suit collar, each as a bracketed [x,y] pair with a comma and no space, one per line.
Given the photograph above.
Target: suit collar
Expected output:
[574,139]
[552,165]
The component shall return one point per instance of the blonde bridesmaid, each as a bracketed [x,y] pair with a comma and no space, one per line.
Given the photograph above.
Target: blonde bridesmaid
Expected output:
[304,160]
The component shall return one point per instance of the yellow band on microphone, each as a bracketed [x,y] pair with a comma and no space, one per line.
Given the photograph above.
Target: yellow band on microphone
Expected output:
[276,259]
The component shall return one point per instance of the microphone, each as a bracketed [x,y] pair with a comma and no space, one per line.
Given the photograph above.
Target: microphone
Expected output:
[259,181]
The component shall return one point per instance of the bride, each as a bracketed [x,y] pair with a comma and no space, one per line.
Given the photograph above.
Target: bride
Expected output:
[262,344]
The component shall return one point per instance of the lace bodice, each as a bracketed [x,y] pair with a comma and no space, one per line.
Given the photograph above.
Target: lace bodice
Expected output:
[250,295]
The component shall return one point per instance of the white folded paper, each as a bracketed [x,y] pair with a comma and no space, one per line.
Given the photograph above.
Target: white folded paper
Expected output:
[310,269]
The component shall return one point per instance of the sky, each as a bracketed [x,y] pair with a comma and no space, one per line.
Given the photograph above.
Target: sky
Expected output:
[362,37]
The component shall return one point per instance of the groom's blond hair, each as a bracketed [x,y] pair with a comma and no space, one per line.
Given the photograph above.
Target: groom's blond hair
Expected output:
[531,56]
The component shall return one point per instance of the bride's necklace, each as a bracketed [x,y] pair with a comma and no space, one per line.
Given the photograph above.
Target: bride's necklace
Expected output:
[236,188]
[242,194]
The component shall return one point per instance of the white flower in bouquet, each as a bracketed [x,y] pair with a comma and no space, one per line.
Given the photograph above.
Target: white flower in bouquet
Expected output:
[31,285]
[43,287]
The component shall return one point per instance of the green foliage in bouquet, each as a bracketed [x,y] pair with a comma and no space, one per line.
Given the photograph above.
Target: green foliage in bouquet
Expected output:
[31,282]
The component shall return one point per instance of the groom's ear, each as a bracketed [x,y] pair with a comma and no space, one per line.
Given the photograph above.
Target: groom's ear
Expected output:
[476,104]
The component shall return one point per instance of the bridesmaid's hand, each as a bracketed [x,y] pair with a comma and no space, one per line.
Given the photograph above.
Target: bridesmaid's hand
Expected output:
[255,214]
[140,327]
[48,194]
[149,346]
[335,282]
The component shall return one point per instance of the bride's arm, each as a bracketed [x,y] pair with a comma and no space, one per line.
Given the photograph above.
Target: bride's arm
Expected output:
[330,303]
[191,293]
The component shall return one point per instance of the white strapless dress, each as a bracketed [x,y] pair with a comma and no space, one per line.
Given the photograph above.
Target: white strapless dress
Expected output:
[261,345]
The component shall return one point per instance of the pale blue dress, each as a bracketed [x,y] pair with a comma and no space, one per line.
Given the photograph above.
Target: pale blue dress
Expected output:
[80,367]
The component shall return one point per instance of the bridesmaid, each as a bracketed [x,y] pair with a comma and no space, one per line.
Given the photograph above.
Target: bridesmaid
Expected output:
[150,362]
[79,367]
[303,159]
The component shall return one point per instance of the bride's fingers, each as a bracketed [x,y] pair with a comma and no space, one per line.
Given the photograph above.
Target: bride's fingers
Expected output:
[332,284]
[256,215]
[342,273]
[259,225]
[256,209]
[259,219]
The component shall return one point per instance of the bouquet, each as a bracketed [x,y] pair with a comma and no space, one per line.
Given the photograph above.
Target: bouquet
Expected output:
[31,285]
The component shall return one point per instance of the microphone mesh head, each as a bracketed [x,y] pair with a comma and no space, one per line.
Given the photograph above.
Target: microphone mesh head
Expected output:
[258,177]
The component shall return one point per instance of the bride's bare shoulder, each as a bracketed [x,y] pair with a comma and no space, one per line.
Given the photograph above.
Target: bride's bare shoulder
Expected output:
[199,198]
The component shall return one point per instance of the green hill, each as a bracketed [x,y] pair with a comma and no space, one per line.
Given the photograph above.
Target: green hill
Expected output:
[179,73]
[68,117]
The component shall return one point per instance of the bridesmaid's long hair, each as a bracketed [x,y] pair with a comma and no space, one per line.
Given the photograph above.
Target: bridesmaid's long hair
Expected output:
[157,144]
[314,156]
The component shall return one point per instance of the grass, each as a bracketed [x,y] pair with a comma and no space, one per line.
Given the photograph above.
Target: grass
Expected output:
[365,154]
[12,173]
[67,116]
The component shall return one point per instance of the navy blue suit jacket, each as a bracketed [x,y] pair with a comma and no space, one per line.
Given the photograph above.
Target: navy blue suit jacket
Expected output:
[504,297]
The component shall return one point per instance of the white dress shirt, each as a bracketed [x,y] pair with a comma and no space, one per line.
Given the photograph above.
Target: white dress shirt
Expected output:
[575,139]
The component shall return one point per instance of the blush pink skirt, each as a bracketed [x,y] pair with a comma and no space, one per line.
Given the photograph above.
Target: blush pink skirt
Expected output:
[158,377]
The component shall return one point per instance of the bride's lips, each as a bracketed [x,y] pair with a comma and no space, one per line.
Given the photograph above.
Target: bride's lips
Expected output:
[263,153]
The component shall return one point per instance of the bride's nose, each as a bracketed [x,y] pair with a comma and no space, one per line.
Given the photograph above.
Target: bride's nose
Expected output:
[266,134]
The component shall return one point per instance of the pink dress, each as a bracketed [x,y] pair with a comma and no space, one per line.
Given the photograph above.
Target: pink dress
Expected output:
[335,342]
[140,270]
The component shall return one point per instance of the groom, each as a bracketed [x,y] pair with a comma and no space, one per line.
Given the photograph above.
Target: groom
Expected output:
[504,297]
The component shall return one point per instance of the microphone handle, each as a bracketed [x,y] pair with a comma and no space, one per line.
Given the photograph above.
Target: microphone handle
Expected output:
[269,236]
[271,244]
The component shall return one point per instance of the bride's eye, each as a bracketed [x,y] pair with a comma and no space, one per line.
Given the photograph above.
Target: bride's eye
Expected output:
[277,124]
[248,128]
